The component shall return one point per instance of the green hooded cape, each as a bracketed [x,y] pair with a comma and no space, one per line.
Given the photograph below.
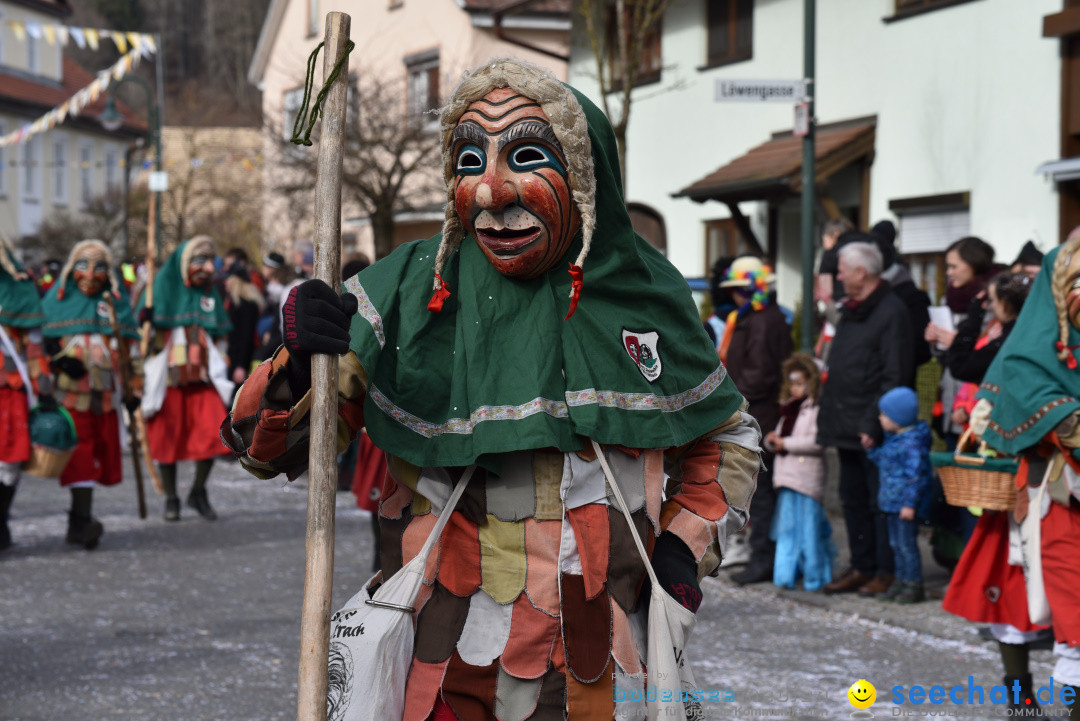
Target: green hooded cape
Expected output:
[177,305]
[79,313]
[499,370]
[20,306]
[1032,391]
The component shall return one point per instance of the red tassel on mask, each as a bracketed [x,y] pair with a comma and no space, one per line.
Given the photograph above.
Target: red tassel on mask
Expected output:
[577,277]
[439,297]
[1070,362]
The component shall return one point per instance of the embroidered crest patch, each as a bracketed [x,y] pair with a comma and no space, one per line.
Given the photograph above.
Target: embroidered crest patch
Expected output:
[103,309]
[207,304]
[644,350]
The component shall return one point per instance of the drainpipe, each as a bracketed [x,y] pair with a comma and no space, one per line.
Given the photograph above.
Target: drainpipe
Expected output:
[497,17]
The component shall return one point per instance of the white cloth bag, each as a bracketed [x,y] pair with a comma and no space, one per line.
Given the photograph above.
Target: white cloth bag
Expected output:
[156,374]
[371,637]
[1031,552]
[671,691]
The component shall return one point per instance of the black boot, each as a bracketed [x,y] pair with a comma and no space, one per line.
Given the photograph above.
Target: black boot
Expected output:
[1027,706]
[168,482]
[198,500]
[1074,709]
[83,529]
[6,494]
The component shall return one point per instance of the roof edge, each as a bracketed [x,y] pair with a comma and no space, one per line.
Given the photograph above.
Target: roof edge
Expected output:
[270,29]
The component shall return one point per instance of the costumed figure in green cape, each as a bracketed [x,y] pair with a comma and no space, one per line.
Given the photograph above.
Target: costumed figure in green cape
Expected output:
[24,375]
[514,364]
[187,384]
[1034,388]
[86,361]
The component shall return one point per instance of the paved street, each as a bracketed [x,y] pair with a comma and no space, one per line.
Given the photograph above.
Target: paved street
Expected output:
[199,621]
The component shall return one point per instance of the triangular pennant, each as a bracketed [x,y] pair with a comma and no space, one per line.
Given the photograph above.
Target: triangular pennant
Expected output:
[135,39]
[63,110]
[50,34]
[34,30]
[91,38]
[149,43]
[19,29]
[121,42]
[79,37]
[62,35]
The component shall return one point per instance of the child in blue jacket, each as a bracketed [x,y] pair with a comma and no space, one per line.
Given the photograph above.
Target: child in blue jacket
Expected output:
[903,462]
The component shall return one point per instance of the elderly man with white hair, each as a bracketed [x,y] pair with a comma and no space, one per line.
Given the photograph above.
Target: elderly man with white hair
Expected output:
[870,355]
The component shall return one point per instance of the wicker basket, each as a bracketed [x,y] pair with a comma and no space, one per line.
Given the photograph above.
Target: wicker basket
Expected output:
[969,479]
[47,462]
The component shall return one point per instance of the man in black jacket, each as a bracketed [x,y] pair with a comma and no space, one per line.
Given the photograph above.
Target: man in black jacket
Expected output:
[916,301]
[870,355]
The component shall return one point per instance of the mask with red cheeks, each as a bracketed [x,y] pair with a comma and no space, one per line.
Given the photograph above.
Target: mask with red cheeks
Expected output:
[91,271]
[1072,290]
[511,187]
[201,265]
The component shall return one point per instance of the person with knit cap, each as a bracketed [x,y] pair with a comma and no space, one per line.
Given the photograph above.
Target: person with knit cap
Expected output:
[86,361]
[1029,261]
[1033,389]
[903,462]
[24,375]
[516,364]
[755,344]
[189,374]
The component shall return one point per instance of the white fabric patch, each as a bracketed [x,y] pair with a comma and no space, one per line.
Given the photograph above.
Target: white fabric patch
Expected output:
[10,473]
[487,628]
[515,698]
[569,559]
[1067,668]
[629,695]
[435,485]
[1007,633]
[629,473]
[583,482]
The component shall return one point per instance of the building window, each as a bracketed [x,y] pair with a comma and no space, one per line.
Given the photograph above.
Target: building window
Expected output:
[723,239]
[650,58]
[86,169]
[111,165]
[730,26]
[423,88]
[313,17]
[60,172]
[31,177]
[3,163]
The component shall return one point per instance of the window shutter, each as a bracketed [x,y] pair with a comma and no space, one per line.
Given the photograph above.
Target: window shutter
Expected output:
[744,27]
[932,232]
[719,20]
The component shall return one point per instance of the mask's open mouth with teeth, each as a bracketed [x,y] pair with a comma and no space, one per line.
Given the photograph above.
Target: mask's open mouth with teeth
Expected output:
[507,241]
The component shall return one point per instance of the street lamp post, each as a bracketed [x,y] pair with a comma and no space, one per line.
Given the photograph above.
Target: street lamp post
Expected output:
[111,120]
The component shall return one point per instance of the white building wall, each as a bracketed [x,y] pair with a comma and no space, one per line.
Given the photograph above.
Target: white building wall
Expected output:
[967,98]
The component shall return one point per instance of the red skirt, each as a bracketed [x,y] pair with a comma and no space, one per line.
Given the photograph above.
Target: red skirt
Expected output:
[186,427]
[14,426]
[368,476]
[984,587]
[1061,573]
[97,455]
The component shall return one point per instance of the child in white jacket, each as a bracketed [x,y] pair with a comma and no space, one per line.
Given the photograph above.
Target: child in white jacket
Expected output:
[800,527]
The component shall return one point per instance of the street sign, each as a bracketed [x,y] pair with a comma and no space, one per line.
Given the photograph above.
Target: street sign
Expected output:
[802,120]
[760,91]
[158,181]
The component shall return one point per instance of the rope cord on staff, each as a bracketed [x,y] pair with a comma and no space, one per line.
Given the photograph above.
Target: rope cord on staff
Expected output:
[310,115]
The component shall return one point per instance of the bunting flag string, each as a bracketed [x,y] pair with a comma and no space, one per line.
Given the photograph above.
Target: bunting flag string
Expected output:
[77,102]
[91,38]
[248,161]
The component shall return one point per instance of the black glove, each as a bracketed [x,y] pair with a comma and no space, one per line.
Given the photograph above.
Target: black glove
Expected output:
[146,315]
[52,346]
[132,404]
[315,319]
[73,368]
[676,570]
[47,404]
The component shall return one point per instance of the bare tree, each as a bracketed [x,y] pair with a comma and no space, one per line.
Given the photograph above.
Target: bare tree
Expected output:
[620,34]
[102,218]
[392,159]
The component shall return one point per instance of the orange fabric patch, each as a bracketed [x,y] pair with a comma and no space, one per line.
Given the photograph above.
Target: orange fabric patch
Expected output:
[703,499]
[422,688]
[654,485]
[459,570]
[697,534]
[590,525]
[701,464]
[532,633]
[412,540]
[542,563]
[623,645]
[588,701]
[395,499]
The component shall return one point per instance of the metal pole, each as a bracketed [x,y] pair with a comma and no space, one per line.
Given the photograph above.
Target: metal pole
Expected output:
[808,173]
[159,111]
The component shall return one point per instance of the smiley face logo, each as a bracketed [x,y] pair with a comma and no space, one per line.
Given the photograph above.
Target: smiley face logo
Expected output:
[862,694]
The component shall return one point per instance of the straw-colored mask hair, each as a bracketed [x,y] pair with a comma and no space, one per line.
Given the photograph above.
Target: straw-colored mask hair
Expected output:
[567,121]
[83,248]
[7,262]
[1066,289]
[198,245]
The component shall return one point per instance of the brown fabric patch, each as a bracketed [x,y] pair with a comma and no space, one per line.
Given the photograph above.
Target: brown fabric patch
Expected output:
[532,632]
[439,624]
[473,503]
[590,701]
[586,629]
[470,690]
[548,470]
[625,569]
[391,531]
[551,704]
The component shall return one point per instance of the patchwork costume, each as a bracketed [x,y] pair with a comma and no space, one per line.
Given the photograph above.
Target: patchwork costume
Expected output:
[24,374]
[86,360]
[1034,385]
[187,383]
[530,608]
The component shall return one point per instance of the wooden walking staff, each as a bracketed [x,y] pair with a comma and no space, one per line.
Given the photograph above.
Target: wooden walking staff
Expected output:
[322,463]
[134,431]
[147,332]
